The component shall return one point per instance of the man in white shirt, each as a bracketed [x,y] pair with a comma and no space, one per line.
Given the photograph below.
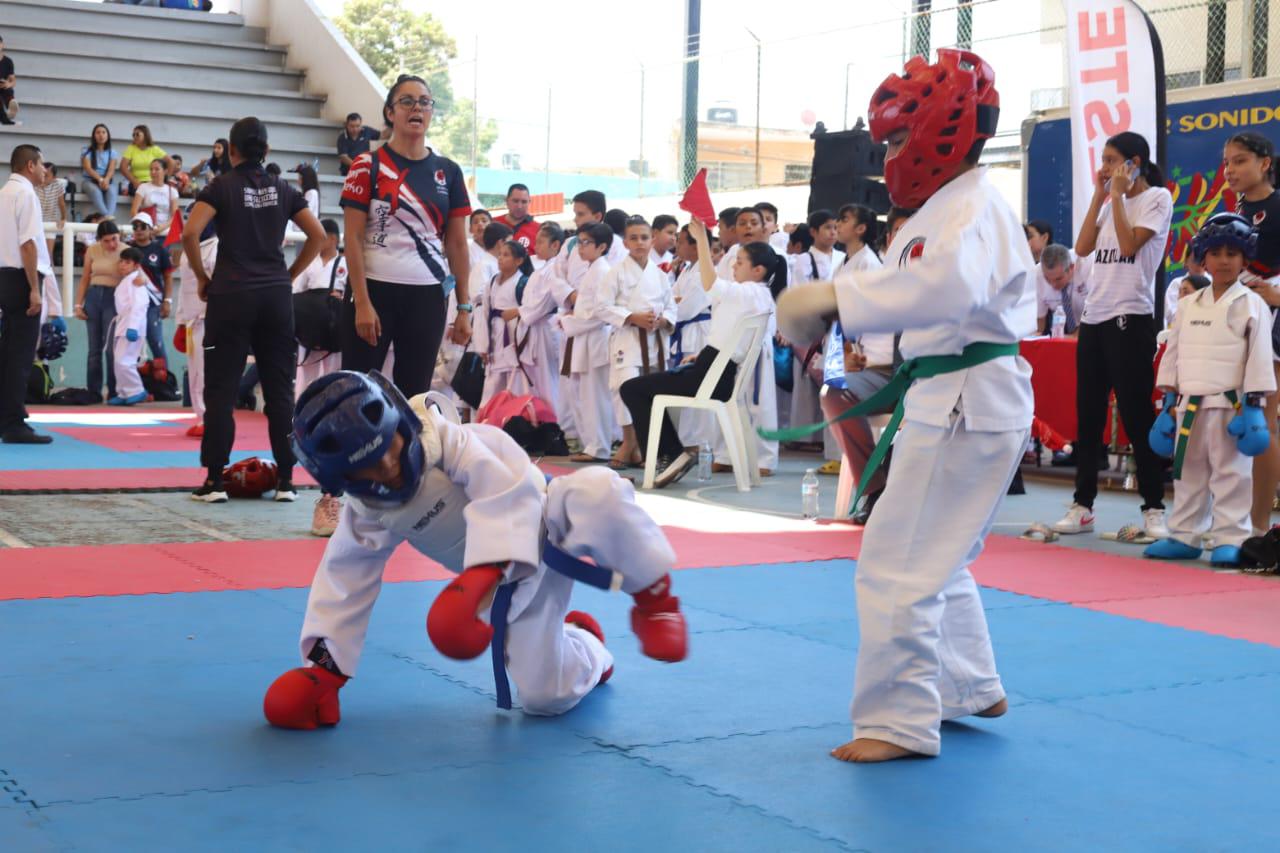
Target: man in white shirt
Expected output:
[1062,281]
[24,261]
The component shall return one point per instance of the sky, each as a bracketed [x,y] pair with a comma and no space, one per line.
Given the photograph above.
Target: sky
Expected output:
[591,65]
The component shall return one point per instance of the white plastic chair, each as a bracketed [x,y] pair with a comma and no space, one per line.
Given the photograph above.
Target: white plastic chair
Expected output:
[848,485]
[731,414]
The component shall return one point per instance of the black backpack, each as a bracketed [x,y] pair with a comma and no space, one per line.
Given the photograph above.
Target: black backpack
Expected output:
[39,383]
[317,317]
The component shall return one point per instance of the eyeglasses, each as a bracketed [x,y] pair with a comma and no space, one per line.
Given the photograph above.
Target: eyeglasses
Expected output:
[409,102]
[582,242]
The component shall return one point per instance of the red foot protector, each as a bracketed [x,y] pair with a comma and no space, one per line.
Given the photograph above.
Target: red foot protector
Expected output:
[452,624]
[587,622]
[303,698]
[657,621]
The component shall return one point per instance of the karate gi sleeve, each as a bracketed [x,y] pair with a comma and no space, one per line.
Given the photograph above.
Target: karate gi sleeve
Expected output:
[950,281]
[1259,373]
[668,311]
[694,300]
[480,328]
[606,304]
[345,587]
[52,296]
[138,311]
[504,498]
[540,303]
[584,319]
[1168,375]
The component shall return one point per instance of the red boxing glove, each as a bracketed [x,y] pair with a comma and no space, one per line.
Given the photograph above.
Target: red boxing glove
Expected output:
[453,624]
[303,698]
[657,621]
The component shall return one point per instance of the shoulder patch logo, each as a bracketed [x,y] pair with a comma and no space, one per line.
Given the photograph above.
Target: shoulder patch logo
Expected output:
[912,251]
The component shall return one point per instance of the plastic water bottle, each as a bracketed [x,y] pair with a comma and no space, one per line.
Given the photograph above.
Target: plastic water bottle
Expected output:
[704,462]
[1059,322]
[809,493]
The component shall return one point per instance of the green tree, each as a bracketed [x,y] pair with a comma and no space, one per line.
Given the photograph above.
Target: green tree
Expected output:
[395,40]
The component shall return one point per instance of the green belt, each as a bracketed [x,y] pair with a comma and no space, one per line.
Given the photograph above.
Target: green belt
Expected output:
[894,394]
[1184,432]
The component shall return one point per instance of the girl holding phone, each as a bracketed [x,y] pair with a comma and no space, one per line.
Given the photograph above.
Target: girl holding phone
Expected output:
[1125,230]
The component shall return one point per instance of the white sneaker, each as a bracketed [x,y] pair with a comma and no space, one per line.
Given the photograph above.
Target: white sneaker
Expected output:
[1153,524]
[285,492]
[324,521]
[1079,519]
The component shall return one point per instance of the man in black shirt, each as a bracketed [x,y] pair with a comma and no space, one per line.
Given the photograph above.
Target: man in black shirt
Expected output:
[354,141]
[8,105]
[159,268]
[250,305]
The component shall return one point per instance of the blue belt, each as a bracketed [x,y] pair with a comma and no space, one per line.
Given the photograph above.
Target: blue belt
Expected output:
[677,354]
[556,560]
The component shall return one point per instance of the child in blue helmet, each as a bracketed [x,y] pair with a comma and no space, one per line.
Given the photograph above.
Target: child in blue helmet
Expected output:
[469,498]
[1215,372]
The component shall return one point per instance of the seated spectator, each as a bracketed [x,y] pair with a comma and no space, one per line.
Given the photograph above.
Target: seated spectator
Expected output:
[8,82]
[1039,234]
[1062,281]
[180,179]
[53,202]
[135,163]
[215,164]
[156,198]
[353,141]
[98,163]
[1184,285]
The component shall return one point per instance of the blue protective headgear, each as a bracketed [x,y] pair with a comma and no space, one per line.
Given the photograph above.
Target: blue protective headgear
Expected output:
[53,342]
[345,421]
[1225,229]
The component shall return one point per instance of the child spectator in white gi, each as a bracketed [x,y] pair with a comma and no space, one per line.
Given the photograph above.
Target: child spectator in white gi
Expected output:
[130,328]
[818,263]
[329,267]
[665,228]
[1218,357]
[777,238]
[964,295]
[493,517]
[693,322]
[748,227]
[191,311]
[1182,286]
[757,271]
[498,315]
[538,346]
[479,221]
[586,353]
[636,300]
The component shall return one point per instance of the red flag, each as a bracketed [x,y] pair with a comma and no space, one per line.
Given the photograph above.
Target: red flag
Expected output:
[697,200]
[175,229]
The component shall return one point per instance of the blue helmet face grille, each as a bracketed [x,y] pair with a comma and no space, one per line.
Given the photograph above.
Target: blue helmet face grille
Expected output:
[1225,229]
[344,422]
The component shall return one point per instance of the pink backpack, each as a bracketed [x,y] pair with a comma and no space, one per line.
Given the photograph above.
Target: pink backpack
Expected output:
[504,406]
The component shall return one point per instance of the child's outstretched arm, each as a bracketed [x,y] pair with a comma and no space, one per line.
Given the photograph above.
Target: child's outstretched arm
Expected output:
[706,268]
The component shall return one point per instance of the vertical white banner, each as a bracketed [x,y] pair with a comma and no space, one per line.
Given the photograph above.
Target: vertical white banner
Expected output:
[1115,83]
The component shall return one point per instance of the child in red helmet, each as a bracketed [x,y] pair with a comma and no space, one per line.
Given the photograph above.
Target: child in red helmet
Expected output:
[957,281]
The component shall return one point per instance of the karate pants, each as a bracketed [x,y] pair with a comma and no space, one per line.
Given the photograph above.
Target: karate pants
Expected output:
[313,365]
[125,354]
[589,513]
[617,376]
[593,411]
[1215,493]
[195,366]
[924,654]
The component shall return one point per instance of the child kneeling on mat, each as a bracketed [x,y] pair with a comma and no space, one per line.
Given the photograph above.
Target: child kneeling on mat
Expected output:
[1215,371]
[467,496]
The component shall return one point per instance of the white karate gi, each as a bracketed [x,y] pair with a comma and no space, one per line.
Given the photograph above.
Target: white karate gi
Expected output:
[191,310]
[539,334]
[496,337]
[313,365]
[629,289]
[1214,347]
[695,426]
[806,400]
[131,313]
[481,501]
[588,360]
[760,398]
[924,653]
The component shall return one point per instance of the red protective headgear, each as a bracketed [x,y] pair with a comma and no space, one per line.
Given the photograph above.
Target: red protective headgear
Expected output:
[946,108]
[250,478]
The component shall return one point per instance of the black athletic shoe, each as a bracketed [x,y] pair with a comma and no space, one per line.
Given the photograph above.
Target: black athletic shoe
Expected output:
[210,493]
[672,471]
[24,434]
[285,492]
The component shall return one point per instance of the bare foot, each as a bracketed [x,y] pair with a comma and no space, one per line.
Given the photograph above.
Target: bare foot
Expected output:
[867,750]
[996,710]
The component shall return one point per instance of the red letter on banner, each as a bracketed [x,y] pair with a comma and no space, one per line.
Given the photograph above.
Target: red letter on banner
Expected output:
[1109,127]
[1103,38]
[1118,73]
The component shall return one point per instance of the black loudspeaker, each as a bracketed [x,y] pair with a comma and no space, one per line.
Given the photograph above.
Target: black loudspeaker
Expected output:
[845,165]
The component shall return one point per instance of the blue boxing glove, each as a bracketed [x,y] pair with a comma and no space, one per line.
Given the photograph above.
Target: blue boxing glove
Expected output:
[131,335]
[59,324]
[1164,431]
[1249,427]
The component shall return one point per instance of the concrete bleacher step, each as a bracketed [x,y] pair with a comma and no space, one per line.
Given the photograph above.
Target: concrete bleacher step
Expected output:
[209,76]
[169,96]
[126,47]
[112,19]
